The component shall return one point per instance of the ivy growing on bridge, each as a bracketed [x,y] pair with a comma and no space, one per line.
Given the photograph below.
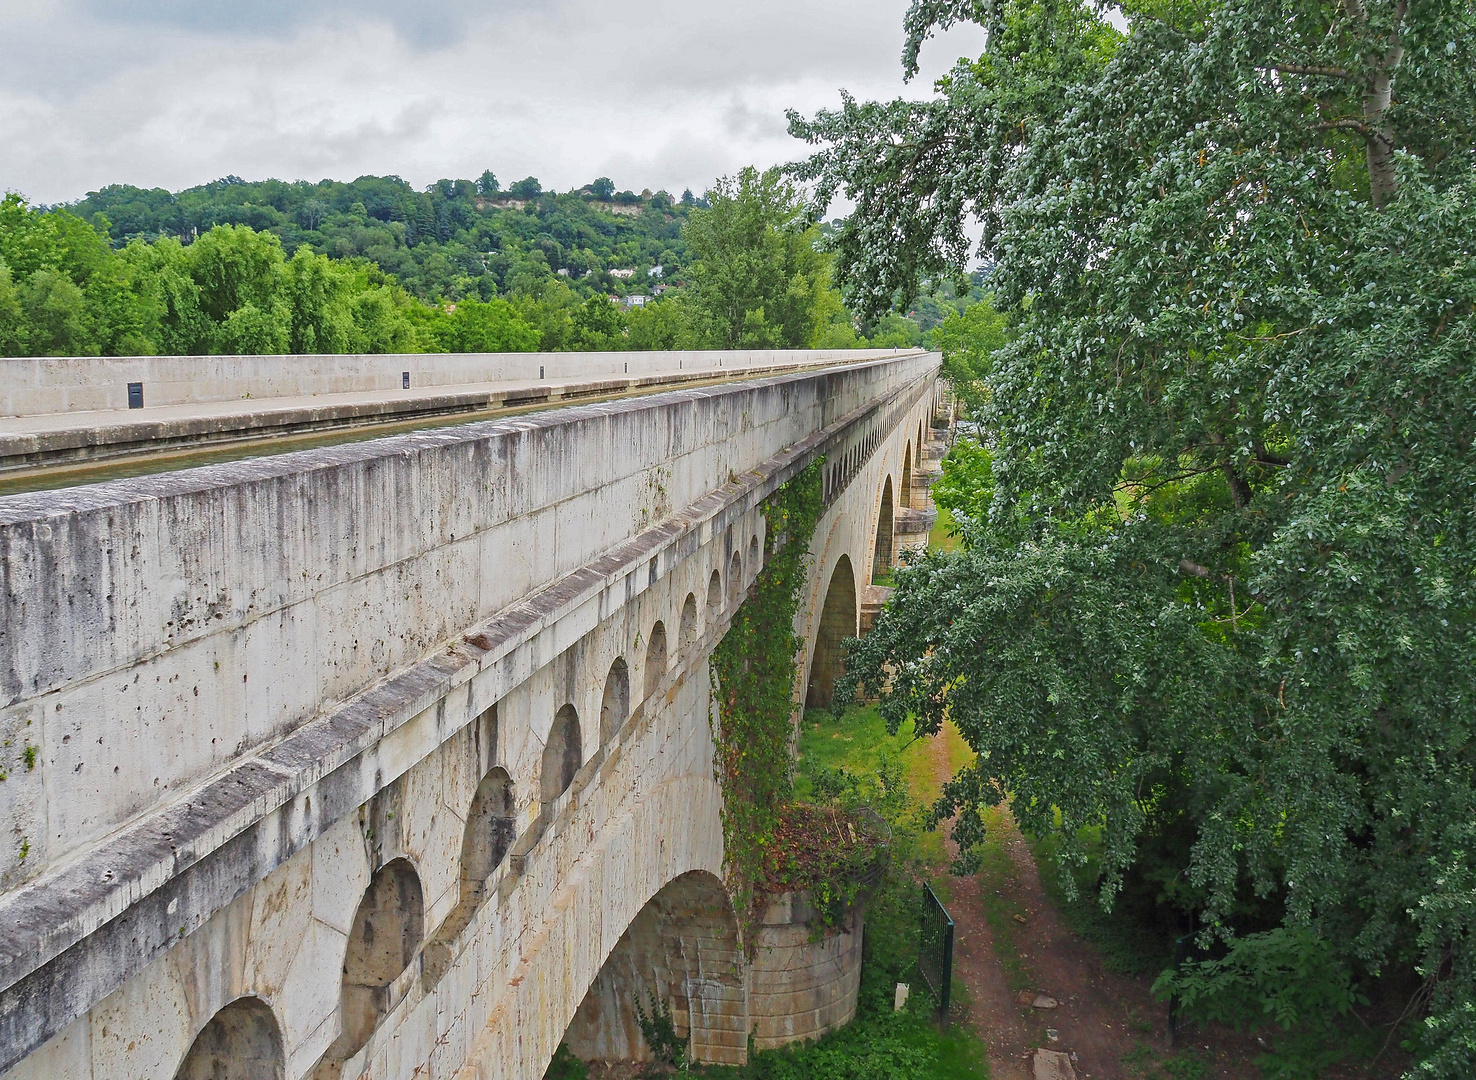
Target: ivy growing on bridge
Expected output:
[754,677]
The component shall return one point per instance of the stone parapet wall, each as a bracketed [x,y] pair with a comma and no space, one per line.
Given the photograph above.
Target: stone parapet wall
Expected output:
[40,385]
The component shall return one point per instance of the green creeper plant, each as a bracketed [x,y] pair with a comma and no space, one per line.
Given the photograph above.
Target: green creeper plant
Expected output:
[754,672]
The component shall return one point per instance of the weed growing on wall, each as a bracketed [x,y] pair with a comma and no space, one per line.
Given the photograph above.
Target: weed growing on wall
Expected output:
[754,675]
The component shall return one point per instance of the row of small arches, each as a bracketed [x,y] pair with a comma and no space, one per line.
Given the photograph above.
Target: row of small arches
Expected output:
[242,1041]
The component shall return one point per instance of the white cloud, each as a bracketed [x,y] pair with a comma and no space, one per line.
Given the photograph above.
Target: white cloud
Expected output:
[662,94]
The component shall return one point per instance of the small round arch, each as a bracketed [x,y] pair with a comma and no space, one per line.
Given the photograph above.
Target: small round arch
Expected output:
[241,1042]
[735,580]
[882,556]
[387,931]
[490,826]
[714,596]
[687,628]
[615,703]
[655,658]
[562,754]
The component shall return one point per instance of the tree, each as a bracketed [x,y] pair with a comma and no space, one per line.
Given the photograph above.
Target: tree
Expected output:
[603,189]
[527,188]
[491,326]
[597,326]
[1218,599]
[757,280]
[234,265]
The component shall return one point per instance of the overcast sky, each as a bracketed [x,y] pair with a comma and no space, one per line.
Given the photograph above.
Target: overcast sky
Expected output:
[652,93]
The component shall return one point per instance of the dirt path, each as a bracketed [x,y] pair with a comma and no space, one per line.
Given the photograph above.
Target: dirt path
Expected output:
[1100,1017]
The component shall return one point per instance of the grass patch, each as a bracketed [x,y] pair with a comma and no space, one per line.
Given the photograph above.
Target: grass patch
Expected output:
[944,534]
[859,743]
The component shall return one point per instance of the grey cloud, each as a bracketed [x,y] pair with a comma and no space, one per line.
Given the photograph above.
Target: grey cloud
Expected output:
[665,94]
[425,25]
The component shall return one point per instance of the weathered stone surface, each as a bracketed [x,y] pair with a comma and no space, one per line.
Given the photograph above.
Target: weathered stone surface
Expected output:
[1052,1065]
[288,663]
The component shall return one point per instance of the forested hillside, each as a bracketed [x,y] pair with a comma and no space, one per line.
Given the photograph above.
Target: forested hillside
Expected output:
[458,238]
[464,266]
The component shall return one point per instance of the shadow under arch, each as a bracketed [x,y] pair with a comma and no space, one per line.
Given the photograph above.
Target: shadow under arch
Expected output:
[563,753]
[655,666]
[904,493]
[242,1041]
[685,948]
[837,622]
[714,598]
[882,557]
[687,627]
[615,702]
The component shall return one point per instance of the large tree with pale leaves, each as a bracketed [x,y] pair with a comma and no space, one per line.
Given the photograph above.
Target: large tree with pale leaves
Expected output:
[1218,594]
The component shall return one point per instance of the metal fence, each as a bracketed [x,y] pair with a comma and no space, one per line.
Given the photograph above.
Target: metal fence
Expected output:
[935,957]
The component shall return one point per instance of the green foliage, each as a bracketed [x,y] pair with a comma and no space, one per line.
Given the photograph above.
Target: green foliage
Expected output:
[490,326]
[966,488]
[334,267]
[1137,936]
[659,1031]
[757,279]
[456,240]
[968,340]
[1288,978]
[565,1066]
[879,1044]
[1218,600]
[754,672]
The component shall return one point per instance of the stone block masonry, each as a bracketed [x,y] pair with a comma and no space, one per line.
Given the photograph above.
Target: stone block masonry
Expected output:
[254,689]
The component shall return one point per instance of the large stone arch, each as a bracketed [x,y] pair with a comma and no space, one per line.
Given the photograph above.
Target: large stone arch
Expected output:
[904,493]
[241,1042]
[683,950]
[881,558]
[836,623]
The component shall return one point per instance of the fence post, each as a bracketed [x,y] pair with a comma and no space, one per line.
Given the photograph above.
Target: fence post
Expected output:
[935,959]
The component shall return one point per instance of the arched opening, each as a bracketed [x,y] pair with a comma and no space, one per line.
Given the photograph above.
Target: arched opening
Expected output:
[386,933]
[753,555]
[655,658]
[735,580]
[241,1042]
[615,705]
[917,447]
[562,754]
[683,947]
[882,558]
[490,826]
[714,596]
[687,628]
[904,496]
[837,622]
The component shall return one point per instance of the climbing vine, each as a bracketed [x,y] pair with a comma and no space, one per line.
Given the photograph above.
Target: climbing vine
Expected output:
[754,676]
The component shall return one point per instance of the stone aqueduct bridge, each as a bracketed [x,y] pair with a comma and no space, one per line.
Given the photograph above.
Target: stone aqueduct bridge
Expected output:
[394,758]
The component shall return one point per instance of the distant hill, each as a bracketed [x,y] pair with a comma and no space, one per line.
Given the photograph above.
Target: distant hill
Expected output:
[458,238]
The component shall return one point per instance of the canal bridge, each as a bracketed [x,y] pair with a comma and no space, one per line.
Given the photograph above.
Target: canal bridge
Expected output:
[393,756]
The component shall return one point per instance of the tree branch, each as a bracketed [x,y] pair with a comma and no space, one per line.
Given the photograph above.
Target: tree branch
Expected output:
[1310,69]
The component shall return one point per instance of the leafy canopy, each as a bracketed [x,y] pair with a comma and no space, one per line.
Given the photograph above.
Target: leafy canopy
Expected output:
[1217,596]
